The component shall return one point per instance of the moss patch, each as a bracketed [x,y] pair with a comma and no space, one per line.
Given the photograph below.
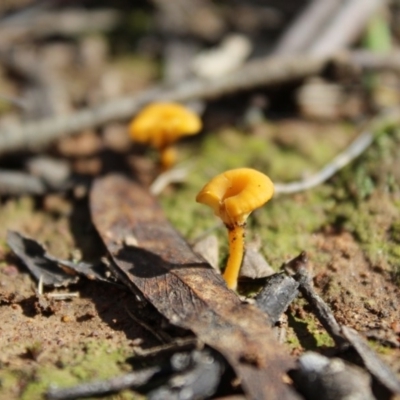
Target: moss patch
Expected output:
[363,198]
[85,362]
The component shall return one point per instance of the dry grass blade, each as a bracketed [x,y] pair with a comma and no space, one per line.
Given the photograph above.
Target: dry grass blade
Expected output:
[184,288]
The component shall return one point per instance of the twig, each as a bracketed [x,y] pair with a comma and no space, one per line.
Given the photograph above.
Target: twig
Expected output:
[306,27]
[327,27]
[161,336]
[174,175]
[345,27]
[369,60]
[92,389]
[13,100]
[219,224]
[342,335]
[273,70]
[19,183]
[176,345]
[40,286]
[357,147]
[321,309]
[276,295]
[62,296]
[24,13]
[14,183]
[255,73]
[42,22]
[372,362]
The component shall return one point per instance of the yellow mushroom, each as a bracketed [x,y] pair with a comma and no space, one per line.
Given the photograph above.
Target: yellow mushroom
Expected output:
[161,124]
[233,195]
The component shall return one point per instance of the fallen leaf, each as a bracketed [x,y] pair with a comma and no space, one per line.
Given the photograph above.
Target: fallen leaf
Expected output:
[254,265]
[185,288]
[208,248]
[53,271]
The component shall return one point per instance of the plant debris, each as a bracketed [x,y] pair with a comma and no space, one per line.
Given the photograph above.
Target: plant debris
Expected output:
[321,309]
[276,295]
[49,270]
[376,367]
[342,335]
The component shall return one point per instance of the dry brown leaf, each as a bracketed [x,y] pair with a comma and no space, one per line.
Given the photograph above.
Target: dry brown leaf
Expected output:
[184,288]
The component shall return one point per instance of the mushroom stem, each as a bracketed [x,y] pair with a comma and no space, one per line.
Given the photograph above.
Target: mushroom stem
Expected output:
[168,157]
[236,247]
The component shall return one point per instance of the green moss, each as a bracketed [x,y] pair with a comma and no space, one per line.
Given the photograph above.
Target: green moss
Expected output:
[91,361]
[395,231]
[307,333]
[9,384]
[232,149]
[361,199]
[292,340]
[369,207]
[379,348]
[284,225]
[20,215]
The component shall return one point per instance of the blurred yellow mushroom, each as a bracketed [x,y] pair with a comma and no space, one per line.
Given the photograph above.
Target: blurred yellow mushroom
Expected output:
[233,195]
[161,124]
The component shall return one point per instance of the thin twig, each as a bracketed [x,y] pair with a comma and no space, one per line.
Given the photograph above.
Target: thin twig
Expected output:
[372,362]
[15,101]
[345,27]
[356,148]
[161,336]
[369,60]
[320,308]
[92,389]
[305,29]
[19,183]
[342,335]
[177,345]
[70,22]
[40,286]
[262,72]
[62,296]
[15,183]
[175,175]
[25,13]
[327,26]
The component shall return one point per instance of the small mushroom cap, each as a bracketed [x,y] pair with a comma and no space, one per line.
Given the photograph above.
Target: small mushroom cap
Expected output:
[160,124]
[234,194]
